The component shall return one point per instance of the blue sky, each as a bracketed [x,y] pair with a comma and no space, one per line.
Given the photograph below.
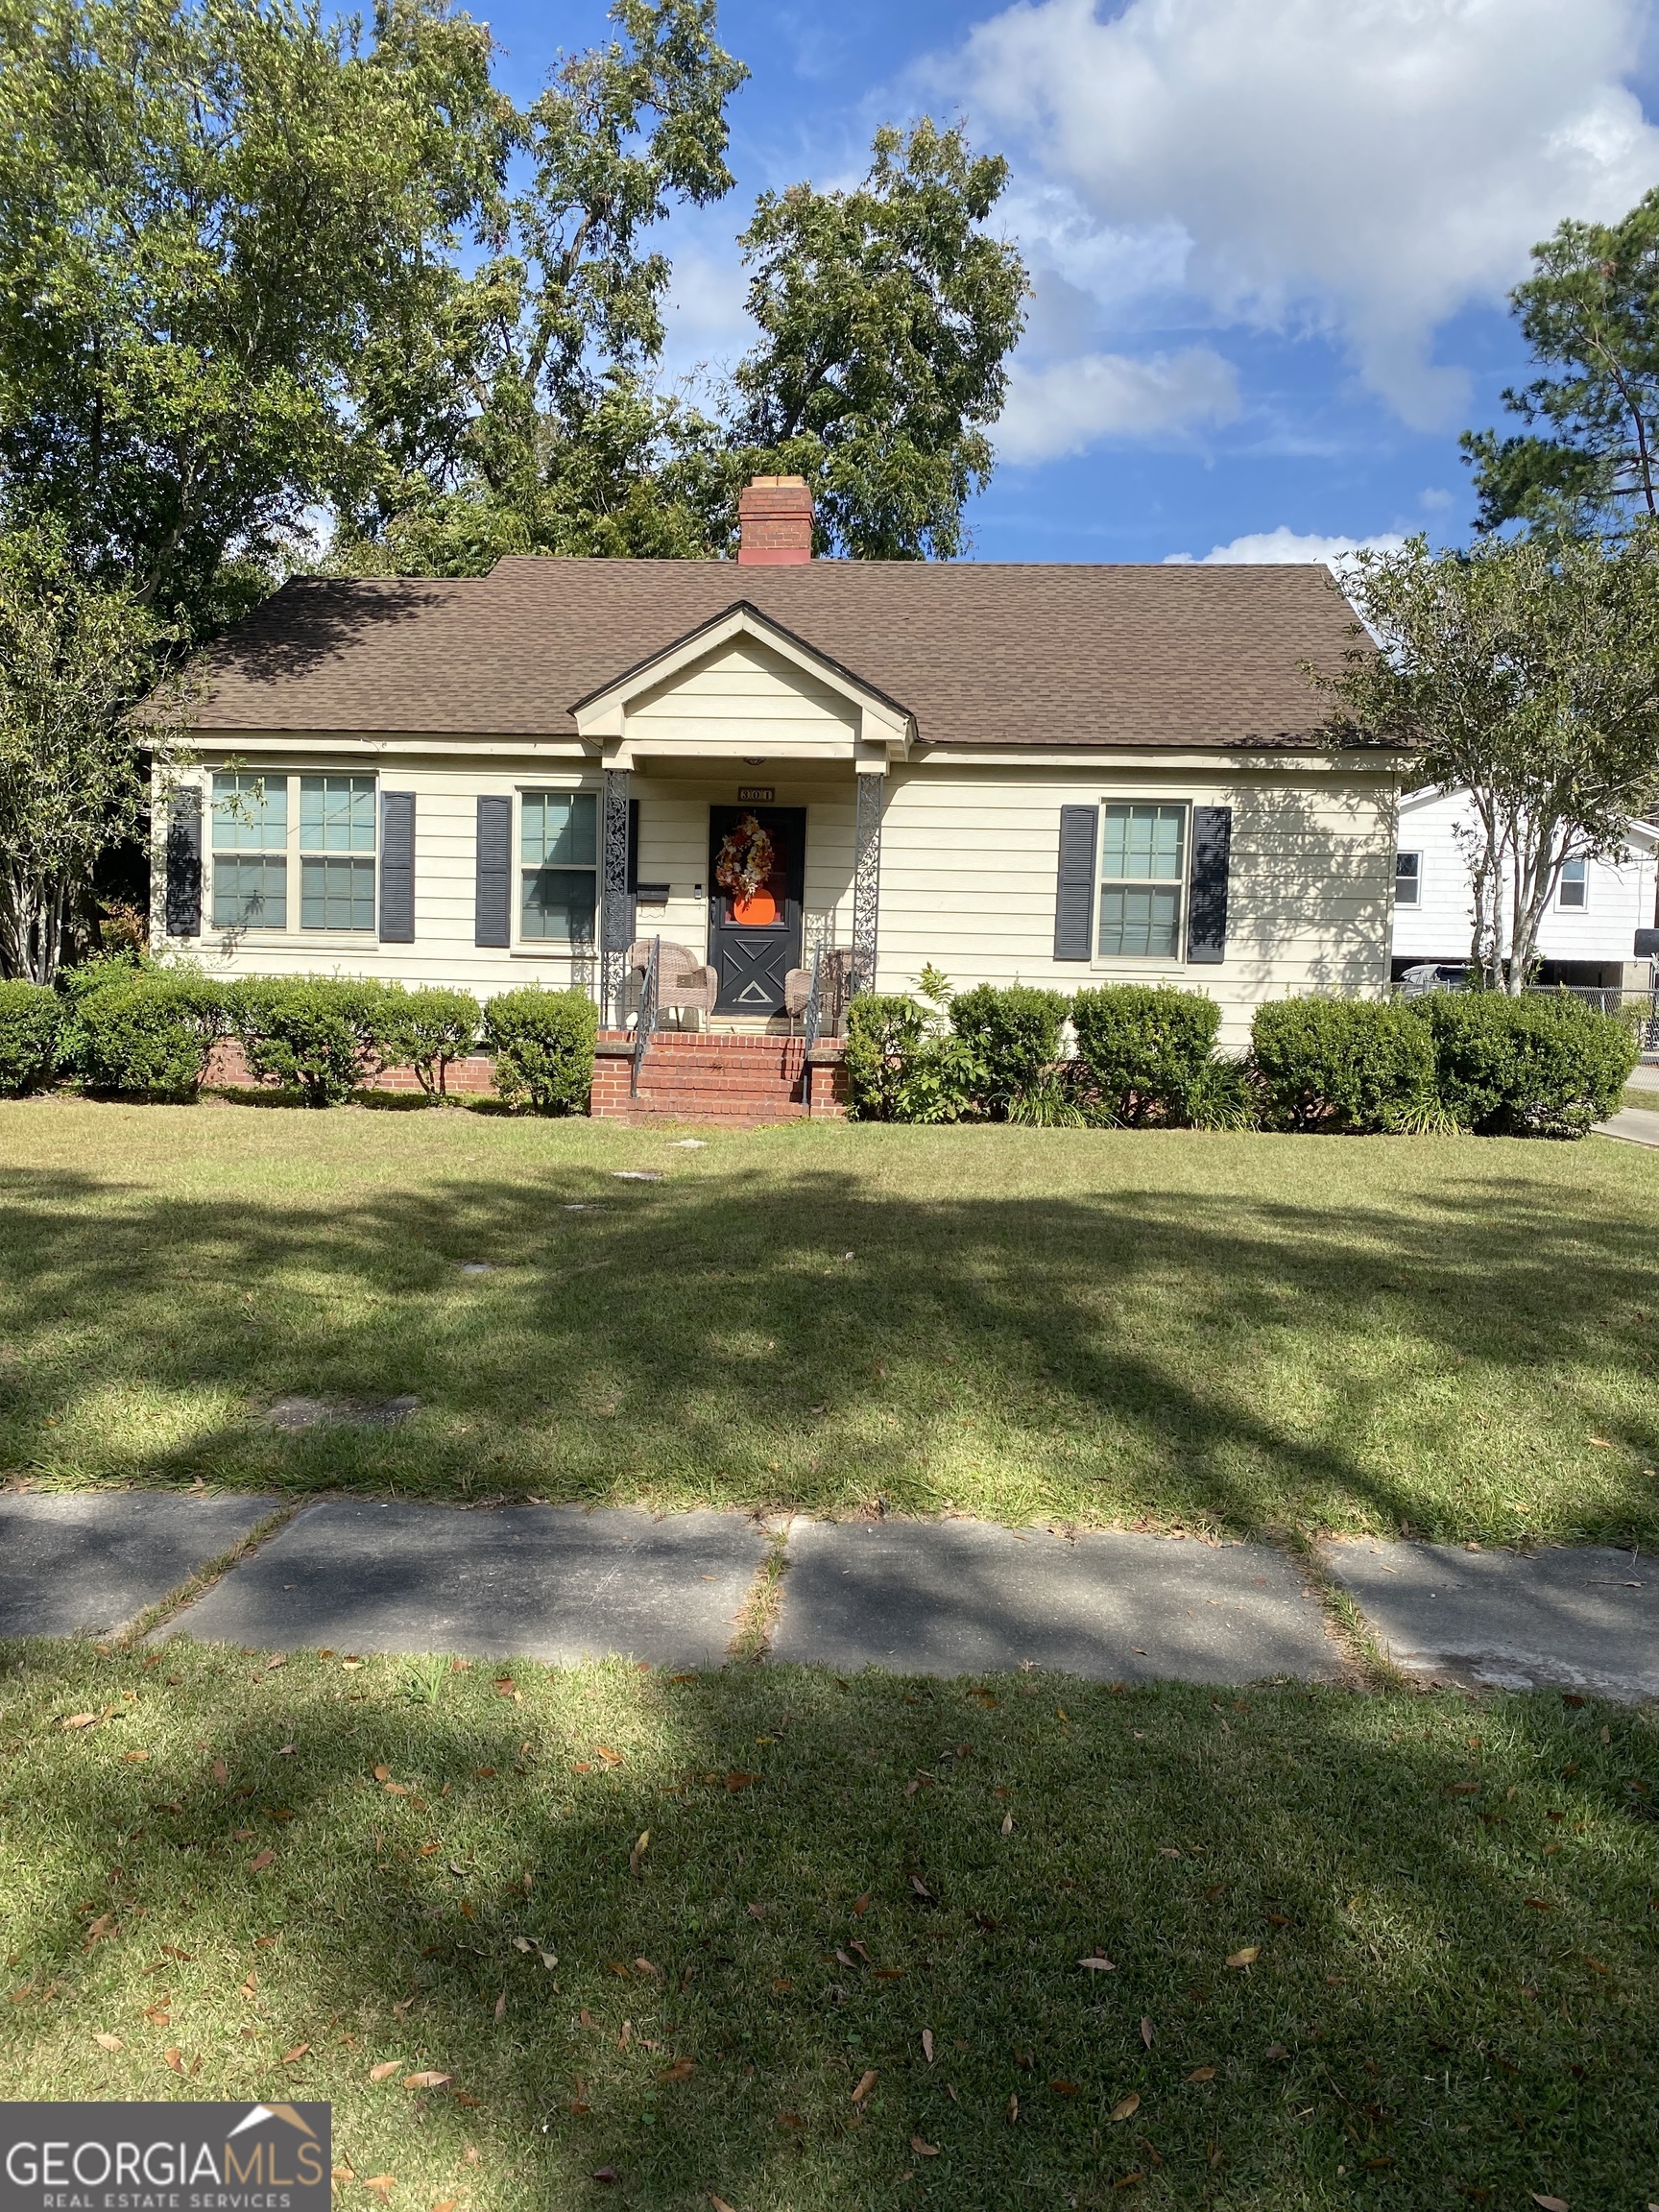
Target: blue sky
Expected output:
[1271,239]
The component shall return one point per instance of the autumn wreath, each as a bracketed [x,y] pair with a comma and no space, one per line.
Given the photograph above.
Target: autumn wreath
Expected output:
[745,862]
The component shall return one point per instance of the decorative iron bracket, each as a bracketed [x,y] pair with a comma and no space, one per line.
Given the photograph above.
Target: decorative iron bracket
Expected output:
[866,881]
[616,908]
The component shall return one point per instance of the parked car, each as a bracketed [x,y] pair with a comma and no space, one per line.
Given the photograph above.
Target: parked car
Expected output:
[1435,975]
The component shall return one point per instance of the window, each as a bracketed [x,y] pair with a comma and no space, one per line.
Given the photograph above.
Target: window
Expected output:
[1407,878]
[337,853]
[1142,881]
[249,852]
[1574,886]
[559,851]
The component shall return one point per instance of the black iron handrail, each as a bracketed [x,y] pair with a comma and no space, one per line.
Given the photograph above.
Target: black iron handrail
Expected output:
[812,1027]
[645,1020]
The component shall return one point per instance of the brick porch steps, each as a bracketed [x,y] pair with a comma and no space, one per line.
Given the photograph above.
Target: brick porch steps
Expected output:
[734,1082]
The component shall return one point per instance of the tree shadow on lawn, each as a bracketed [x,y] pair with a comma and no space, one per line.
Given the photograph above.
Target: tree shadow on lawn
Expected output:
[1410,2014]
[1439,1360]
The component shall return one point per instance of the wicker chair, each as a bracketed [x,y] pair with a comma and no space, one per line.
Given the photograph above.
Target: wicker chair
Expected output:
[837,989]
[683,982]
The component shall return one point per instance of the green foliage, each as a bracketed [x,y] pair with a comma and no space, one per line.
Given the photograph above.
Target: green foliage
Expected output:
[145,1028]
[1150,1050]
[426,1030]
[31,1020]
[543,1043]
[319,1034]
[902,1066]
[1546,1064]
[1049,1102]
[1585,461]
[886,315]
[1346,1065]
[1526,674]
[1013,1034]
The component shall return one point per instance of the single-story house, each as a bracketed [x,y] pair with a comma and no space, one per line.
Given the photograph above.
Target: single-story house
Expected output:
[1057,773]
[1587,937]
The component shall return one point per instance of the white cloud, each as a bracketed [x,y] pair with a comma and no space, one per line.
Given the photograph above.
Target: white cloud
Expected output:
[1365,168]
[1066,406]
[1263,548]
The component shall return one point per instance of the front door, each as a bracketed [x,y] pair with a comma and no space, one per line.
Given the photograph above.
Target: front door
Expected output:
[756,876]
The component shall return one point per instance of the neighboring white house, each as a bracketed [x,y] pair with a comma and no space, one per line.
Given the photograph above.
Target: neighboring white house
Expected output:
[1588,935]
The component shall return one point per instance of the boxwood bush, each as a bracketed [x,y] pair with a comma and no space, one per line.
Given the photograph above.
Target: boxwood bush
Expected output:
[319,1034]
[1012,1034]
[1544,1065]
[149,1029]
[31,1024]
[1149,1053]
[426,1030]
[1342,1064]
[543,1043]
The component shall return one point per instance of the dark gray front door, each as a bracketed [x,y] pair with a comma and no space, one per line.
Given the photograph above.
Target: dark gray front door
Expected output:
[752,944]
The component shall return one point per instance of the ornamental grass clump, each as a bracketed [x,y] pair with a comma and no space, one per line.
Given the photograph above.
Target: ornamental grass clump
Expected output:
[542,1044]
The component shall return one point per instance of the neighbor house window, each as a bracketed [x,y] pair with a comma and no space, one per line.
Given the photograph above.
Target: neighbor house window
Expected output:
[249,852]
[559,875]
[1407,878]
[1142,881]
[337,853]
[1574,888]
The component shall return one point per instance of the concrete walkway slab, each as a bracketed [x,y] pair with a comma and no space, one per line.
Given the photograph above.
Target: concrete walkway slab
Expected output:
[1564,1619]
[525,1582]
[86,1563]
[1633,1123]
[965,1596]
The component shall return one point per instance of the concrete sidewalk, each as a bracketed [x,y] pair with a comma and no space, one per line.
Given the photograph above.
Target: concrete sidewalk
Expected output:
[559,1583]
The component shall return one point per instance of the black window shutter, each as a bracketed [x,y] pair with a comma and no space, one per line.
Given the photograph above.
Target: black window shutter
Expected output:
[1207,883]
[493,898]
[184,864]
[632,847]
[397,867]
[1075,898]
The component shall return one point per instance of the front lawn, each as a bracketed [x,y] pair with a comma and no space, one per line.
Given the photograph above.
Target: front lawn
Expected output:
[1453,1335]
[788,1943]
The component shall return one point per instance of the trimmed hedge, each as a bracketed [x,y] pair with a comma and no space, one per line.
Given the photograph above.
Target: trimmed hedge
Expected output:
[1013,1035]
[542,1042]
[1149,1051]
[426,1030]
[1538,1065]
[31,1026]
[317,1034]
[1342,1064]
[149,1029]
[899,1068]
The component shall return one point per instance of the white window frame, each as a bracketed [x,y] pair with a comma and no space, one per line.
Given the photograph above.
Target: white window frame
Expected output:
[555,948]
[1563,903]
[1179,882]
[295,854]
[1415,879]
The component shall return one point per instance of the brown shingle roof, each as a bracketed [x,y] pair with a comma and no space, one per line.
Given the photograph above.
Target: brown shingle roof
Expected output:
[980,653]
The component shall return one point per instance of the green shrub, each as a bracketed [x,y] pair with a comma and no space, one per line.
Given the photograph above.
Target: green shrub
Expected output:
[31,1024]
[900,1068]
[542,1042]
[1347,1065]
[1013,1035]
[316,1033]
[1149,1051]
[1544,1065]
[148,1029]
[426,1030]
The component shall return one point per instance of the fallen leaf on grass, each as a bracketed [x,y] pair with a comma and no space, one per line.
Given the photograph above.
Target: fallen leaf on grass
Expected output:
[603,2174]
[1202,2074]
[1098,1965]
[638,1852]
[610,1757]
[174,2057]
[1007,1823]
[923,2150]
[738,1780]
[500,2008]
[1275,2051]
[1146,2031]
[260,1860]
[220,1772]
[860,1906]
[681,2070]
[107,2042]
[100,1927]
[298,2052]
[928,2045]
[719,2202]
[1130,2181]
[1064,2088]
[1247,1957]
[134,1756]
[385,2067]
[866,2082]
[1126,2107]
[428,2078]
[445,2205]
[382,2184]
[1549,2203]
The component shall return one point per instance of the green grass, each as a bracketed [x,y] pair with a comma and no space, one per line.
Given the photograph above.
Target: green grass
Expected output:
[1454,1337]
[1644,1098]
[1452,1912]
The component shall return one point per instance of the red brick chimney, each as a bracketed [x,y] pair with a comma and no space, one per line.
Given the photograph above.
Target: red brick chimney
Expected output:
[775,523]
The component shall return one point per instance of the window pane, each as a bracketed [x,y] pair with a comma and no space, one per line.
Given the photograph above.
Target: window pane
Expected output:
[558,902]
[1574,882]
[336,815]
[1144,842]
[1406,877]
[249,894]
[336,894]
[1140,920]
[561,827]
[250,813]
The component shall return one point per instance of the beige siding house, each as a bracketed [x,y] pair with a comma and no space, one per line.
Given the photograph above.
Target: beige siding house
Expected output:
[1056,774]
